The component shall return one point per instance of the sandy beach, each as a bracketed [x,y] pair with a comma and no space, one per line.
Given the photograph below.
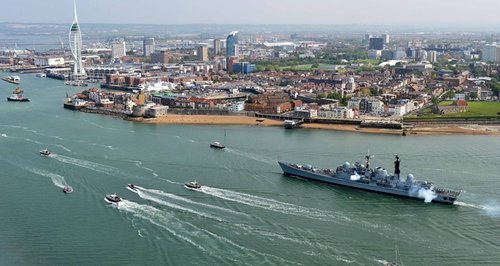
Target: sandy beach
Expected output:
[469,129]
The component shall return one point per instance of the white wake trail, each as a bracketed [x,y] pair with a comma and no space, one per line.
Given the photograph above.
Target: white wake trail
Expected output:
[160,193]
[273,205]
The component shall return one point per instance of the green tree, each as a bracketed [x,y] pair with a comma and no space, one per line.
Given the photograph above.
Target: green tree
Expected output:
[434,100]
[335,95]
[472,95]
[450,94]
[495,86]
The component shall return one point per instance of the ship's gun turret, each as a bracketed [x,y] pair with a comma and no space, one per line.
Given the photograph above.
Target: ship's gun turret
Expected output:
[409,180]
[380,173]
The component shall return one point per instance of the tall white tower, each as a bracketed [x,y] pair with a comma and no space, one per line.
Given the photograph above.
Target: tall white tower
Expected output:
[75,43]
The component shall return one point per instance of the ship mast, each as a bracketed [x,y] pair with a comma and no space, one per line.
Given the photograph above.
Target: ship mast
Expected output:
[396,166]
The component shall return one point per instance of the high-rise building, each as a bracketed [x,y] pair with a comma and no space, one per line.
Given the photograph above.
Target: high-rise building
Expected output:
[217,47]
[75,42]
[376,44]
[386,38]
[148,46]
[367,38]
[432,56]
[491,53]
[118,50]
[202,52]
[232,44]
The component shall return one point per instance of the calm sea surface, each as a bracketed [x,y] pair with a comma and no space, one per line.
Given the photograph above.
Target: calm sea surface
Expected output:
[247,213]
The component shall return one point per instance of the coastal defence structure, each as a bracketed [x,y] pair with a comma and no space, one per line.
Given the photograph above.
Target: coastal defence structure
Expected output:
[75,42]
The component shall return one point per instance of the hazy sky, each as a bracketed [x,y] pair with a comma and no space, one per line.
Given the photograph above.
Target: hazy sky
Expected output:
[370,12]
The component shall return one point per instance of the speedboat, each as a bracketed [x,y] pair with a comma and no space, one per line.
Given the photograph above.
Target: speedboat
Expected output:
[67,189]
[132,187]
[192,184]
[112,198]
[45,152]
[217,145]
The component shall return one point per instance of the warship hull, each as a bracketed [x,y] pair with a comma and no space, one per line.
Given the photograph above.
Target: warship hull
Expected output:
[321,176]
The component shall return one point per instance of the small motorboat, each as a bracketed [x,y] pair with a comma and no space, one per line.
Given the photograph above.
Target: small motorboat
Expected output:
[192,185]
[217,145]
[112,198]
[45,152]
[67,189]
[132,187]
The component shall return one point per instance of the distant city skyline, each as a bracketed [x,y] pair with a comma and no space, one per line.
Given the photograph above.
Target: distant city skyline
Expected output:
[447,13]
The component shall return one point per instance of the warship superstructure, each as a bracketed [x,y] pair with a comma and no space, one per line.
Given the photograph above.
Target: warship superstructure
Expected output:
[373,179]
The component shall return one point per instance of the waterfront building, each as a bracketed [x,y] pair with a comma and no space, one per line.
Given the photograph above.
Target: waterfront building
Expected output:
[75,42]
[148,46]
[202,53]
[232,44]
[217,47]
[49,61]
[118,50]
[376,44]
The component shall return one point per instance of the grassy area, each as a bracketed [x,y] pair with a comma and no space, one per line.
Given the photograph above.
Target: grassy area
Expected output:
[476,110]
[297,67]
[374,62]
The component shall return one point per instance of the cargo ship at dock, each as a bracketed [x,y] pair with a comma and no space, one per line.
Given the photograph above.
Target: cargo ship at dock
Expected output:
[373,179]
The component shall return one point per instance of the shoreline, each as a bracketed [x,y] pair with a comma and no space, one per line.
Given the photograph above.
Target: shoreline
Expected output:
[456,129]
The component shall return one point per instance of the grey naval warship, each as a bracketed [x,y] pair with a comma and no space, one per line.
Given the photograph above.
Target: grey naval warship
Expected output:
[373,179]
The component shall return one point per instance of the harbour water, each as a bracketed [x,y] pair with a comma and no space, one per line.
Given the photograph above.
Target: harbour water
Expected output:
[247,213]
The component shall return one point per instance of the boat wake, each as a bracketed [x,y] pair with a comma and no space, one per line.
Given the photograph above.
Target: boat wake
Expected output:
[158,200]
[139,165]
[34,132]
[273,205]
[62,147]
[492,208]
[149,194]
[57,180]
[199,237]
[252,156]
[186,139]
[87,164]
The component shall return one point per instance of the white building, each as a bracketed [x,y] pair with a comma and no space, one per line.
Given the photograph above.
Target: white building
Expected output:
[432,56]
[339,112]
[47,61]
[118,50]
[353,103]
[236,107]
[386,38]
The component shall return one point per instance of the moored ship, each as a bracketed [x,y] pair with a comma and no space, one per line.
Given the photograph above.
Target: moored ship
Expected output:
[75,103]
[373,179]
[12,79]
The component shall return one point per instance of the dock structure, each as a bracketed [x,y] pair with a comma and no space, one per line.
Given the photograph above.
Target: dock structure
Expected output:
[294,123]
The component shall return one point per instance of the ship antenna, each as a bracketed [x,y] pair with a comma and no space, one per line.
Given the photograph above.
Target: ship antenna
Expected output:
[368,157]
